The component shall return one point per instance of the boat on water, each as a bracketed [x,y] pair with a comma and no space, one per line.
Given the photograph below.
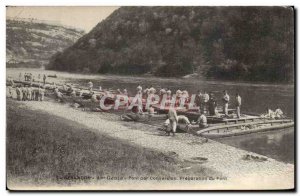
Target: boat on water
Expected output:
[165,109]
[222,119]
[52,76]
[228,130]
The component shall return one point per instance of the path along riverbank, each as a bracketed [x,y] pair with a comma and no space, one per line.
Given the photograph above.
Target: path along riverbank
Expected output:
[239,173]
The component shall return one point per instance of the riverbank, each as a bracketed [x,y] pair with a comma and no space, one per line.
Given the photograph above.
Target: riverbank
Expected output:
[44,149]
[194,156]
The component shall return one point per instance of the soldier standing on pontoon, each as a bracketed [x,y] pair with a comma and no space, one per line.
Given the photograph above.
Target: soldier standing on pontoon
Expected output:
[238,103]
[225,100]
[212,105]
[205,99]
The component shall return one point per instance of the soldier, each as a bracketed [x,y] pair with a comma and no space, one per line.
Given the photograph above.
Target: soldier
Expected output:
[29,93]
[44,79]
[225,100]
[19,93]
[202,121]
[125,92]
[172,117]
[90,85]
[212,105]
[33,94]
[20,76]
[24,91]
[238,103]
[205,99]
[41,93]
[198,99]
[139,89]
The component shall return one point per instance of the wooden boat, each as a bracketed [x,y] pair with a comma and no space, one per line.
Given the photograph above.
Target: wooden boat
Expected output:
[50,86]
[166,109]
[194,115]
[219,131]
[52,76]
[143,117]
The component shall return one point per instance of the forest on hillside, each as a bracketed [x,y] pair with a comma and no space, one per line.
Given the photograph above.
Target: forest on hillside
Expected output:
[231,43]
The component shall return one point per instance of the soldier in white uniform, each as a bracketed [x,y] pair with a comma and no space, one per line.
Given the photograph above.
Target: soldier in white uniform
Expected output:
[225,100]
[202,121]
[205,99]
[139,88]
[41,93]
[172,116]
[90,85]
[238,103]
[29,93]
[125,92]
[19,93]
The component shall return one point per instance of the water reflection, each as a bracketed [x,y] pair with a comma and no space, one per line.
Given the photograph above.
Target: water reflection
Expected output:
[278,145]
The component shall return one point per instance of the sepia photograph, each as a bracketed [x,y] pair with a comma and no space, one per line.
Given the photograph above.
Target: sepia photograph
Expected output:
[150,98]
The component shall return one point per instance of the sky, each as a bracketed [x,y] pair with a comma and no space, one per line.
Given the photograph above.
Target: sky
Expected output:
[84,18]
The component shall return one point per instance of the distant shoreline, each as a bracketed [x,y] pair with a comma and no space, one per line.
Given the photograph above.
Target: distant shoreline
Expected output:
[209,80]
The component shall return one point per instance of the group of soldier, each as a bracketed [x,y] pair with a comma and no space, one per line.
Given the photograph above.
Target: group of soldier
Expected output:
[31,78]
[29,93]
[26,92]
[206,102]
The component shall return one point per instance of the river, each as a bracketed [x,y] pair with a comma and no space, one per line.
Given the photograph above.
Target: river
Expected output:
[256,98]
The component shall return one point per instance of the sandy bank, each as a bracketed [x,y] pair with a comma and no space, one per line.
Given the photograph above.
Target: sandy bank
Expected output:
[240,174]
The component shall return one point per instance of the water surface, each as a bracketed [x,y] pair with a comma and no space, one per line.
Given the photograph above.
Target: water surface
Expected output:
[278,144]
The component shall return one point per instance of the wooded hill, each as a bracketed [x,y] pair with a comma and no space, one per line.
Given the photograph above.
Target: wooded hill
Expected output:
[235,43]
[32,43]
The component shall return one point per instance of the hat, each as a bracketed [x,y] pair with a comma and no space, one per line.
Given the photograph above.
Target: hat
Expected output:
[152,90]
[162,91]
[178,92]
